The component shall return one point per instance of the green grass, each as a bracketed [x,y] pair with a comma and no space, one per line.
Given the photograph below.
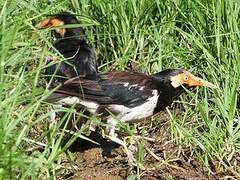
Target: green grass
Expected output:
[201,36]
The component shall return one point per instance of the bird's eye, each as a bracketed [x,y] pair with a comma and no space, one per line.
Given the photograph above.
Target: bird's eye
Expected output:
[185,78]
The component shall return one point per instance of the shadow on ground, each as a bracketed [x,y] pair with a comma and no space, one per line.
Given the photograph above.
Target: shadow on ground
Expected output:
[108,161]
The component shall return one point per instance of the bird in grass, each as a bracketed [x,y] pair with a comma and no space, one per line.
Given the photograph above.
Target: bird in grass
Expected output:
[127,97]
[71,43]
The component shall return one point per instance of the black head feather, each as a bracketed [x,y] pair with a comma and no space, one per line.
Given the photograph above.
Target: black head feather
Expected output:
[67,17]
[164,77]
[165,74]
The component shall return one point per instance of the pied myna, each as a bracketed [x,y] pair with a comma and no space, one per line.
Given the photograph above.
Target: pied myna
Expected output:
[126,96]
[71,42]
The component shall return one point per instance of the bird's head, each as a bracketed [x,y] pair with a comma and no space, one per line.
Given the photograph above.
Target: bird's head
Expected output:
[177,78]
[61,19]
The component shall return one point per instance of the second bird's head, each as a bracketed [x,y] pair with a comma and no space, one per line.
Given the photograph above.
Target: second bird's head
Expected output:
[62,19]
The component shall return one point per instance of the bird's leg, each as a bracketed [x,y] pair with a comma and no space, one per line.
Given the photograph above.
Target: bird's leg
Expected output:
[145,138]
[113,137]
[111,128]
[49,59]
[128,150]
[52,120]
[92,127]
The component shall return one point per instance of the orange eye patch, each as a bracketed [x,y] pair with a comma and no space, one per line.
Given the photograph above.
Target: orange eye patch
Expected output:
[52,22]
[187,78]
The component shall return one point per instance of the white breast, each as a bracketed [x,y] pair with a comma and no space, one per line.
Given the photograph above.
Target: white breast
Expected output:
[135,114]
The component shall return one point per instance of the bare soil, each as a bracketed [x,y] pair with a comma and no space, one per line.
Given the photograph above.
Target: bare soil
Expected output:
[108,161]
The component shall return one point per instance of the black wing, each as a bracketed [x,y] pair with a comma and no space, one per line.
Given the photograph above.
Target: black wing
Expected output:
[80,60]
[123,88]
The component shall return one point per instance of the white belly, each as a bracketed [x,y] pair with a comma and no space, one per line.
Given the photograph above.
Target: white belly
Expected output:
[135,114]
[125,114]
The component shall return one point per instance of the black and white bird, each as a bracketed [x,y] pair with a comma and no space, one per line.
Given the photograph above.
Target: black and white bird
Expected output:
[126,96]
[71,43]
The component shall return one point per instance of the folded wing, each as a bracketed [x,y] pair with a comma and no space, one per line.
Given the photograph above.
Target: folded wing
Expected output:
[129,89]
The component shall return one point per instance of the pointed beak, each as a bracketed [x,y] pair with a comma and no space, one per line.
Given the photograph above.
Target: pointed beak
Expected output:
[210,85]
[196,81]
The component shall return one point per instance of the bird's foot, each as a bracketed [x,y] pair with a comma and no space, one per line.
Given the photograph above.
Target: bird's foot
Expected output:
[92,127]
[129,144]
[52,120]
[145,138]
[49,59]
[129,149]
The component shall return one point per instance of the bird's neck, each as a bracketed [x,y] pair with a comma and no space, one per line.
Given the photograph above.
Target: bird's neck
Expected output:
[167,94]
[71,39]
[69,46]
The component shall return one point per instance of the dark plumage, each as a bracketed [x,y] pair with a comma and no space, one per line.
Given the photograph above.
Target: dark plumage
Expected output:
[68,18]
[72,43]
[130,96]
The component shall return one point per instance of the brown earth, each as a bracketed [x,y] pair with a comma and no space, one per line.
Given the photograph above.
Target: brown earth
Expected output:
[162,159]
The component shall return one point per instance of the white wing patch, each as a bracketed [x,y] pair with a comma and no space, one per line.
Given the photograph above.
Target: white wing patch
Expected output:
[126,84]
[132,86]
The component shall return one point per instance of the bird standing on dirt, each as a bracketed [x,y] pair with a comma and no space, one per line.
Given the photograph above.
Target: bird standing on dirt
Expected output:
[72,43]
[126,96]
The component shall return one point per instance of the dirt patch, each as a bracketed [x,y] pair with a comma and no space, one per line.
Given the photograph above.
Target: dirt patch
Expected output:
[162,159]
[94,166]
